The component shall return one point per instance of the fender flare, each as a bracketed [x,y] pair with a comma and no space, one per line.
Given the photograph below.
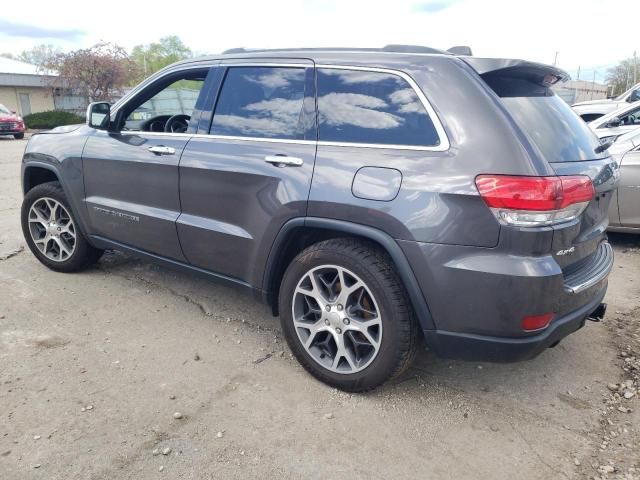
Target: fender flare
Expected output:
[398,257]
[47,166]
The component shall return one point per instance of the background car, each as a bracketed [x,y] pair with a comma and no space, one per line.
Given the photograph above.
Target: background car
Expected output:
[624,209]
[11,123]
[618,122]
[593,109]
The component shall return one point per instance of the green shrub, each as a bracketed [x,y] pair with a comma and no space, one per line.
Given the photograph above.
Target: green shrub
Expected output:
[51,119]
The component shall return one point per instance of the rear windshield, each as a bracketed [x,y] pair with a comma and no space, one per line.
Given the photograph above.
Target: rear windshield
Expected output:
[559,134]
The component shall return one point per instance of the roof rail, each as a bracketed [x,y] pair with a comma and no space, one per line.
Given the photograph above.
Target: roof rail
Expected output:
[386,48]
[235,50]
[410,49]
[461,50]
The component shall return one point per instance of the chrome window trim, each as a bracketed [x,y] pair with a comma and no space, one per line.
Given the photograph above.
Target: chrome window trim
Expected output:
[228,63]
[217,137]
[442,136]
[444,139]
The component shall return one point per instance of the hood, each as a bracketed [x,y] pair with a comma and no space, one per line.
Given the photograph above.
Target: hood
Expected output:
[594,102]
[62,129]
[10,117]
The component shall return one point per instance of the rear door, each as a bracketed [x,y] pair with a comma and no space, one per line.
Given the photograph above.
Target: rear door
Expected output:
[629,190]
[250,171]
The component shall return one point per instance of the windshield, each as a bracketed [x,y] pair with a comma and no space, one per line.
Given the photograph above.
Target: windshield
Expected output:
[623,95]
[4,109]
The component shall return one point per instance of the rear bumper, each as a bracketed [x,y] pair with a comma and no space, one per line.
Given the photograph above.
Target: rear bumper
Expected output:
[465,346]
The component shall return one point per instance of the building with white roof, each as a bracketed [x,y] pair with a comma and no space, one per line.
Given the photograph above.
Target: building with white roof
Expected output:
[23,88]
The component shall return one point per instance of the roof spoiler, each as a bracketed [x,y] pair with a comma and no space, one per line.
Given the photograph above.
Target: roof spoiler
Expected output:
[539,73]
[462,50]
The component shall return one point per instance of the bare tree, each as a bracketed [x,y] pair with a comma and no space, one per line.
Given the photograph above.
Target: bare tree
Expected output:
[97,73]
[622,76]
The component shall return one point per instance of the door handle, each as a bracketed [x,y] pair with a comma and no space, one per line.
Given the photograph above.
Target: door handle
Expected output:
[162,150]
[283,161]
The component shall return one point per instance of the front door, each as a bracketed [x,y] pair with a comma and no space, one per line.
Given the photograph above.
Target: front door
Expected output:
[243,178]
[131,177]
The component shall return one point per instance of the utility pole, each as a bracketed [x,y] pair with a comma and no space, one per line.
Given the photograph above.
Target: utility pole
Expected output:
[593,83]
[635,68]
[555,59]
[575,90]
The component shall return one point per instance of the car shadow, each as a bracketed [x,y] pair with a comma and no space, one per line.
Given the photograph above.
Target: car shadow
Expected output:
[624,240]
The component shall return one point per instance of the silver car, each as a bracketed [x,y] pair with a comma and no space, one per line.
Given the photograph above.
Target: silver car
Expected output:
[593,109]
[618,122]
[624,209]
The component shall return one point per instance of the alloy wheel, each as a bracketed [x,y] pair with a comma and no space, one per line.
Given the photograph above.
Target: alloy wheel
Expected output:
[337,319]
[52,229]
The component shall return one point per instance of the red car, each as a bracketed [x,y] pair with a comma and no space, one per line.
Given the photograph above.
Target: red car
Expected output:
[11,123]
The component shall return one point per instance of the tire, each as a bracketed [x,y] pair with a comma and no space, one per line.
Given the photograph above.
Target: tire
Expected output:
[19,136]
[63,237]
[378,304]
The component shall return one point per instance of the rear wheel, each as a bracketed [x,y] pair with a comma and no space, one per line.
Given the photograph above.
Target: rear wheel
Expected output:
[52,232]
[346,315]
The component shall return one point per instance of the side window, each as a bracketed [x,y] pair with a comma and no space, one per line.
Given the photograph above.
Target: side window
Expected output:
[631,118]
[358,106]
[264,102]
[176,101]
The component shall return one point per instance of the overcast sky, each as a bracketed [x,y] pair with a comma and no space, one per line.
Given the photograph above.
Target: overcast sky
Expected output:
[587,33]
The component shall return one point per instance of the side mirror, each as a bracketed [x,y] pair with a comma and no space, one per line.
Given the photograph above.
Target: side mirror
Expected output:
[633,96]
[614,122]
[98,115]
[13,111]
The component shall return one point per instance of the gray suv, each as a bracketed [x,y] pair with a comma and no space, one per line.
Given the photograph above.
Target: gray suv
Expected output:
[374,198]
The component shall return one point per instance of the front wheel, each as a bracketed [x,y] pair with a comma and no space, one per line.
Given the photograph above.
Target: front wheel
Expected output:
[52,232]
[346,315]
[19,136]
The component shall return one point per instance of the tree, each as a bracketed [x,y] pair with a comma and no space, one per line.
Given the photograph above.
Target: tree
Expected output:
[41,55]
[155,56]
[622,76]
[97,73]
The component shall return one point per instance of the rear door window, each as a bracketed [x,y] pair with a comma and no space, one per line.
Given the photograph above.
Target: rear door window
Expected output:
[261,102]
[371,107]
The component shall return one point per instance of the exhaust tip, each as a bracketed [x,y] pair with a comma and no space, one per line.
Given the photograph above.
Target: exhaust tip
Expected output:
[598,313]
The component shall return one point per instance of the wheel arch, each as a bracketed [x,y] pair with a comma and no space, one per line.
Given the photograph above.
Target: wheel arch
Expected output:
[36,174]
[299,233]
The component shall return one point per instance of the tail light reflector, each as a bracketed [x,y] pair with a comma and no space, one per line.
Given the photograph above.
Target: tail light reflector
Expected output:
[536,322]
[535,201]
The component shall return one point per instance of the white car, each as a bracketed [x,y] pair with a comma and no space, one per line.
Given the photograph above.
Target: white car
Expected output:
[618,122]
[624,209]
[593,109]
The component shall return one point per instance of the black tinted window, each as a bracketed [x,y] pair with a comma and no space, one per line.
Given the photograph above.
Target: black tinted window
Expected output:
[371,107]
[260,102]
[556,130]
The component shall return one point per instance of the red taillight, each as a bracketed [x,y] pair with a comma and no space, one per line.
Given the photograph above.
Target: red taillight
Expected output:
[536,322]
[535,201]
[576,189]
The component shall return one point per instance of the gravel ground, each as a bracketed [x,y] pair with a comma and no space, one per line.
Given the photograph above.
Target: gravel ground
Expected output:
[130,370]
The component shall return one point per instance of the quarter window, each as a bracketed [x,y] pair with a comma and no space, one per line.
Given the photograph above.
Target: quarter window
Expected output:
[264,102]
[357,106]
